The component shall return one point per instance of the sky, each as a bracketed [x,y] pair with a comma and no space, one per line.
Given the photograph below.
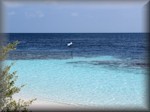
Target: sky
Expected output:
[74,17]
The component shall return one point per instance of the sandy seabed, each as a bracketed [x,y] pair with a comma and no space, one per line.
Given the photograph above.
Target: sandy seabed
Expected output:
[80,83]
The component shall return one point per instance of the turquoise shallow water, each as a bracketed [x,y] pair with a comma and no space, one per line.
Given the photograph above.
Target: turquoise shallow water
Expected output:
[82,81]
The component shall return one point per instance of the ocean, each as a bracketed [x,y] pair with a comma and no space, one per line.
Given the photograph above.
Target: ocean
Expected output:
[99,69]
[54,45]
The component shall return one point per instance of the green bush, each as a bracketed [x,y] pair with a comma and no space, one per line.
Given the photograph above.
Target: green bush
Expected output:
[7,84]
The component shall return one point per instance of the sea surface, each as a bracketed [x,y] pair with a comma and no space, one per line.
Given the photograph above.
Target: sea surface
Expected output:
[99,69]
[54,45]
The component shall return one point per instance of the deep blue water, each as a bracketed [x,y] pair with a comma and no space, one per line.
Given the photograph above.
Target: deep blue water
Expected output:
[54,45]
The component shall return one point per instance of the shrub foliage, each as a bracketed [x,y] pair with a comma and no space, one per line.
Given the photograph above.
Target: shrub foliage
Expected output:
[7,84]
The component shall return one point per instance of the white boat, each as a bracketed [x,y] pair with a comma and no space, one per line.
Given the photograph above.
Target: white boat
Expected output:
[69,44]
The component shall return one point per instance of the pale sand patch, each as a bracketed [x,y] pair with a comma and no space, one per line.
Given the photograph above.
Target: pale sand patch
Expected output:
[47,105]
[40,105]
